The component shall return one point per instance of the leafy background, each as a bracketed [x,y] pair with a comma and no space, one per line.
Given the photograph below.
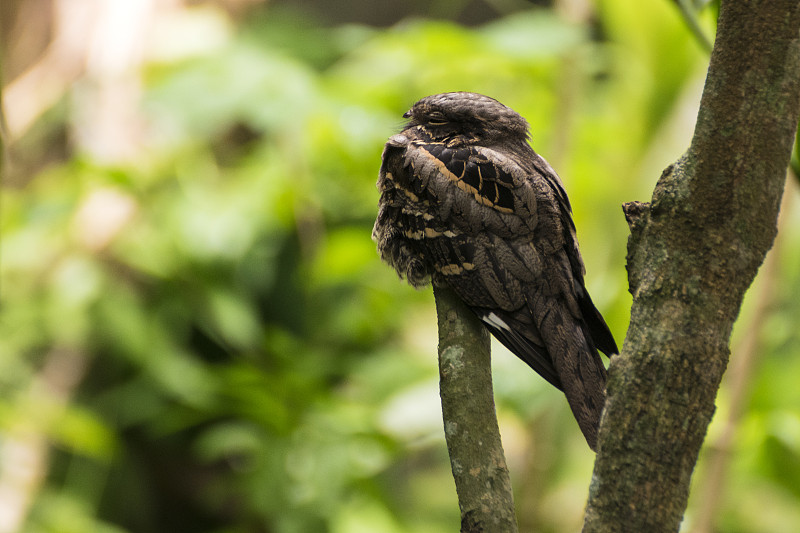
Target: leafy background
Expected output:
[197,334]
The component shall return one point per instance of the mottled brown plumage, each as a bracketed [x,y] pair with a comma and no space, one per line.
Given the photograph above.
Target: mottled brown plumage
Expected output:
[466,202]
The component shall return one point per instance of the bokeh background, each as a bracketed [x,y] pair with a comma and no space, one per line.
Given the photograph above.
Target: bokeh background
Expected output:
[197,334]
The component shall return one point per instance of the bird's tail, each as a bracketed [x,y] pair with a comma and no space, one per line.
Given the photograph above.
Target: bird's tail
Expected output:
[578,365]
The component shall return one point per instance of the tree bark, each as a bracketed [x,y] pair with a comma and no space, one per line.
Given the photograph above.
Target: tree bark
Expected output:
[692,253]
[470,423]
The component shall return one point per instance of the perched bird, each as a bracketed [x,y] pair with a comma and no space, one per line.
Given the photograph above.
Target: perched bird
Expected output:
[466,202]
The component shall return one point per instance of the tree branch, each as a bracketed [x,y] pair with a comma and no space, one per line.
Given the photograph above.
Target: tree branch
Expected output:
[692,254]
[470,423]
[747,355]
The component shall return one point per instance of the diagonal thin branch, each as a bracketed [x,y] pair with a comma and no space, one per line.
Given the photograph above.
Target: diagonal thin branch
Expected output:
[689,13]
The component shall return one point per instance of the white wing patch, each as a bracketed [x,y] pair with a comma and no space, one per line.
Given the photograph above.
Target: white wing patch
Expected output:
[494,320]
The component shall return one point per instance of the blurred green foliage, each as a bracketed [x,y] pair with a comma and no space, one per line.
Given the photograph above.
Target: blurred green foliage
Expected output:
[232,356]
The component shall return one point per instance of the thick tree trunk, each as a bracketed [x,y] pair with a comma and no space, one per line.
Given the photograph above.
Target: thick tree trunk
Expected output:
[693,252]
[470,423]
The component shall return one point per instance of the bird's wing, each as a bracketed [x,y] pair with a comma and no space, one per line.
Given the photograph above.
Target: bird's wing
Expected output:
[599,333]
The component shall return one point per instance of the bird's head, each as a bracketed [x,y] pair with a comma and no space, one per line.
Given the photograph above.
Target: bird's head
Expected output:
[470,115]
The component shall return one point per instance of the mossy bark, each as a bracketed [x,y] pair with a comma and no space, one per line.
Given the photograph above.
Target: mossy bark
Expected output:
[693,252]
[470,423]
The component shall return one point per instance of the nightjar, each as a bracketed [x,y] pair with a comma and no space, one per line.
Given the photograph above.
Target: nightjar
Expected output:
[466,202]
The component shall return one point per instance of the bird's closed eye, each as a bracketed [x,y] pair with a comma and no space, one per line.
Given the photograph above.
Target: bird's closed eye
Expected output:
[437,119]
